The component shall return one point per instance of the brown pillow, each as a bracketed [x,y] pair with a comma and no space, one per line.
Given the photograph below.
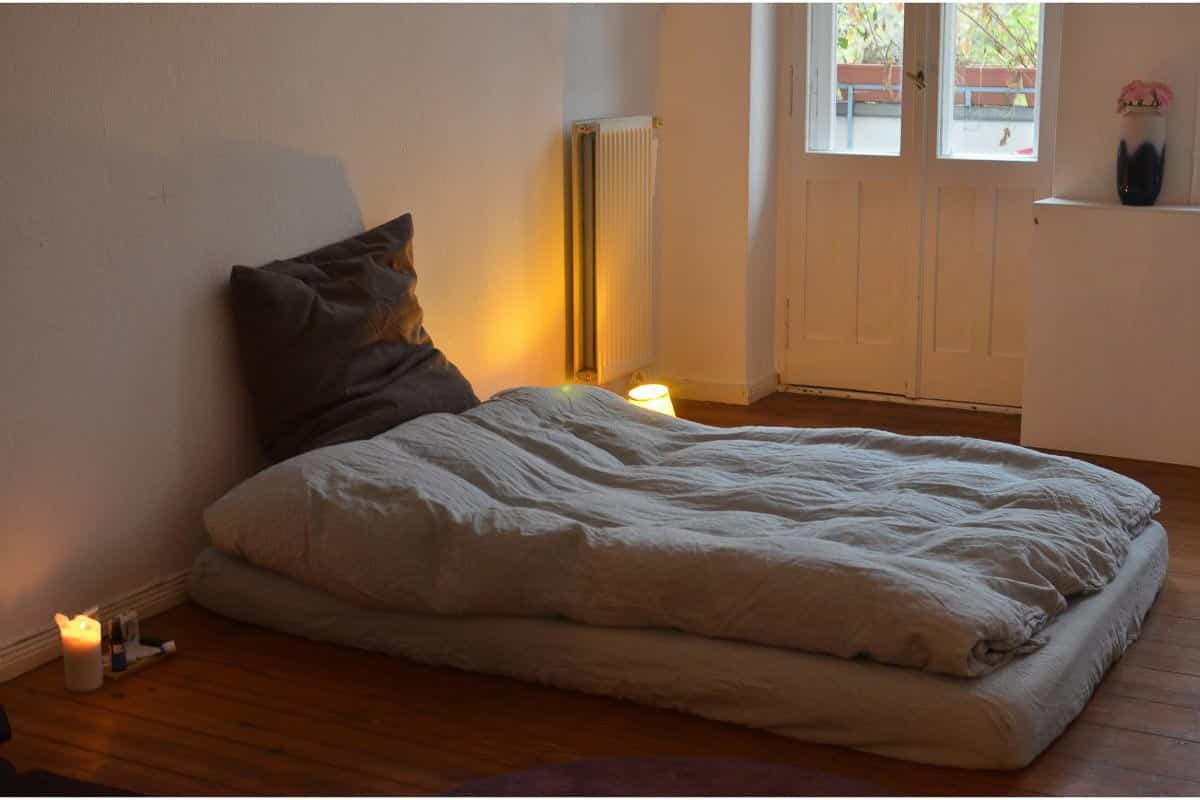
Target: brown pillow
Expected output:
[333,347]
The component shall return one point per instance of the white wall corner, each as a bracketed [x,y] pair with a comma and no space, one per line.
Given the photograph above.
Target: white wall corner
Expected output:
[704,97]
[762,189]
[718,247]
[738,394]
[766,385]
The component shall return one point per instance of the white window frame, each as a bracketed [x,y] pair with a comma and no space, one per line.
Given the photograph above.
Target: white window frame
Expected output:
[821,78]
[821,88]
[947,66]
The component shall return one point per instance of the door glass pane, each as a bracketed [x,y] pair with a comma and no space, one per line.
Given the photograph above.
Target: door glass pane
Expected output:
[855,74]
[989,85]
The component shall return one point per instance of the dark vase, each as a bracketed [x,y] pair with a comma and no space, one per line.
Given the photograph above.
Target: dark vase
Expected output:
[1141,156]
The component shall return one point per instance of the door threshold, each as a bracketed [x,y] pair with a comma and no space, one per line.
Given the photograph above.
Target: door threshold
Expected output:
[881,397]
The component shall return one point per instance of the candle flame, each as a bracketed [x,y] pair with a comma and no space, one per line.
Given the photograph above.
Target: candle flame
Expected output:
[79,625]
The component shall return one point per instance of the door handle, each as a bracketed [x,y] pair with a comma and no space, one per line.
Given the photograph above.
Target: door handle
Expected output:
[918,78]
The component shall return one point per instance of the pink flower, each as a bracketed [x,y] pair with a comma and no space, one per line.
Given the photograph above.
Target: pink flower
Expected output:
[1162,94]
[1144,94]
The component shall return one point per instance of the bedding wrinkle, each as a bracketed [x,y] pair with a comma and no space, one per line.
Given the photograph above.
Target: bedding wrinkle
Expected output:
[938,553]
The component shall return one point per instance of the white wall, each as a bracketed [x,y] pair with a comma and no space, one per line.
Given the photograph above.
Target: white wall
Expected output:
[704,56]
[612,56]
[765,32]
[1105,46]
[716,251]
[143,150]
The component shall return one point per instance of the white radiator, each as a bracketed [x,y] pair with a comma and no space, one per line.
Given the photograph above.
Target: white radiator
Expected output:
[613,168]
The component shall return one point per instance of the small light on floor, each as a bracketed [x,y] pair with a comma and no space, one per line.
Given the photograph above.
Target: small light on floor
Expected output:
[653,396]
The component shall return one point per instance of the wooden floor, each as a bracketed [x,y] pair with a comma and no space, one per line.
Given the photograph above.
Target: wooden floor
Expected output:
[246,711]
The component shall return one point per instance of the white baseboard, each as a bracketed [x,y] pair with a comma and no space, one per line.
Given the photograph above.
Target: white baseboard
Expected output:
[877,397]
[740,394]
[33,651]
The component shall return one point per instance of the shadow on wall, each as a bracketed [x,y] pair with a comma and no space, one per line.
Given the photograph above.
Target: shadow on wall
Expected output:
[124,413]
[271,203]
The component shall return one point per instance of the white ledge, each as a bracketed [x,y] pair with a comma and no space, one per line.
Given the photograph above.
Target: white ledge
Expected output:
[1062,202]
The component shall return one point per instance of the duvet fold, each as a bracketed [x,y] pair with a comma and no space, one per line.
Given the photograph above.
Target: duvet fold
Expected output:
[939,553]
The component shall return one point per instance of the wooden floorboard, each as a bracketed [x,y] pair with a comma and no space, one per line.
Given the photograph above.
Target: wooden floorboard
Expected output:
[30,751]
[242,710]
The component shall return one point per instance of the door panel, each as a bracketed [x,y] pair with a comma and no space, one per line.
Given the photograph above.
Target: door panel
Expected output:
[962,261]
[855,239]
[977,249]
[850,324]
[978,245]
[1014,253]
[830,294]
[959,238]
[885,234]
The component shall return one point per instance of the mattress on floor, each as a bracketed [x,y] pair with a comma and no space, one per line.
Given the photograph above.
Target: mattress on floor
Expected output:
[1000,721]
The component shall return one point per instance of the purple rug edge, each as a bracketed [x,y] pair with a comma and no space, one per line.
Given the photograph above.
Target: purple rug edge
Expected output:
[668,777]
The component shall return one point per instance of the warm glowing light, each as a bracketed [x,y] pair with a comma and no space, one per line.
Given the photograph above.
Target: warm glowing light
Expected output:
[82,666]
[653,396]
[81,628]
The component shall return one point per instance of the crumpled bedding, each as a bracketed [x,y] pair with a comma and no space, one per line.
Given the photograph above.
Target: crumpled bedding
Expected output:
[939,553]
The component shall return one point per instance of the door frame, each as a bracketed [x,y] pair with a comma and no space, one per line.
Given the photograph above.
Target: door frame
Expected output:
[791,157]
[798,164]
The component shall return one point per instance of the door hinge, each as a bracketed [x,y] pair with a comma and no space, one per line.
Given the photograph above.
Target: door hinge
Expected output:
[787,324]
[791,87]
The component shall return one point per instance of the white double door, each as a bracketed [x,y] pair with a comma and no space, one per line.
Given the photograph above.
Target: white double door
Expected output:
[908,273]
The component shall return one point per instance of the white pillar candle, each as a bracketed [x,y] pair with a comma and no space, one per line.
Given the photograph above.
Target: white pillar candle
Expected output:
[82,666]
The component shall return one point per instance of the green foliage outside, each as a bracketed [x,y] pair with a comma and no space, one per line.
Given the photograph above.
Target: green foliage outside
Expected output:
[998,34]
[870,33]
[987,34]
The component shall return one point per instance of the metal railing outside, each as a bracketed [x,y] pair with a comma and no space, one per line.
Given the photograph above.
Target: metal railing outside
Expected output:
[879,87]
